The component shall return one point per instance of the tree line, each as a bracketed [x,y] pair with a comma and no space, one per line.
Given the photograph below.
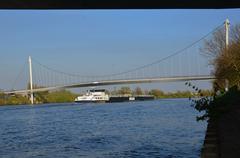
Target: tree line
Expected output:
[61,96]
[157,93]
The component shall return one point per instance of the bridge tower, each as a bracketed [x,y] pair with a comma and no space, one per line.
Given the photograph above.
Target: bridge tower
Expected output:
[30,79]
[227,24]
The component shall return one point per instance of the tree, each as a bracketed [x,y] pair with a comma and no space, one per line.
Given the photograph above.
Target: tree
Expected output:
[146,92]
[215,46]
[60,96]
[157,93]
[226,61]
[228,65]
[124,91]
[138,91]
[13,99]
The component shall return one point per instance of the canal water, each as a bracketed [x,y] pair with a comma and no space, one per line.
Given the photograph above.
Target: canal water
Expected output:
[161,128]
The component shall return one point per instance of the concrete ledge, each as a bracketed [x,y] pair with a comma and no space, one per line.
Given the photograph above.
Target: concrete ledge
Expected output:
[210,146]
[209,155]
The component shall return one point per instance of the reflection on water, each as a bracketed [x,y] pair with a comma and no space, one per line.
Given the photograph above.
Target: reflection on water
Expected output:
[160,128]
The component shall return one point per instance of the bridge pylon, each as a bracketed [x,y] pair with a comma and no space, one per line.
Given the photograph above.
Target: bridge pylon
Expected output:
[227,24]
[30,79]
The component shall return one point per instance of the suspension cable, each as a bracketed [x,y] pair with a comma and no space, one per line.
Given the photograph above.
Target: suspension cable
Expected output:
[19,75]
[138,68]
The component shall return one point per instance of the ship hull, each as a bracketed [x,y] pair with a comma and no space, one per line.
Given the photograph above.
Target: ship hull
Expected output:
[90,101]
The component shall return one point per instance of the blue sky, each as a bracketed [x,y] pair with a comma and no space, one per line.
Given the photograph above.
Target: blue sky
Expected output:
[84,41]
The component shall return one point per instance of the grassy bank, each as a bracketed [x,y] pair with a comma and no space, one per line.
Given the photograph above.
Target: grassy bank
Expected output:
[60,96]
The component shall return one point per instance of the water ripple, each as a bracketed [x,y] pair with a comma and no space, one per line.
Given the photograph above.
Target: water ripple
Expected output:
[160,128]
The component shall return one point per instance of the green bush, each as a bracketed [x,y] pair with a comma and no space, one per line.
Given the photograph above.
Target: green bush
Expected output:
[214,107]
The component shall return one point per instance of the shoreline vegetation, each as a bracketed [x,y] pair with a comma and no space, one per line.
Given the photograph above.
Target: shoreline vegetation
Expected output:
[222,110]
[226,62]
[65,96]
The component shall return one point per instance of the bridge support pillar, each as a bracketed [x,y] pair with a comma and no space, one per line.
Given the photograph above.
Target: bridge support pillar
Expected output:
[227,24]
[30,78]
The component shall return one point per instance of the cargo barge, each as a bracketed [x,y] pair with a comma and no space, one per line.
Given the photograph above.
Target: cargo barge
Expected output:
[101,96]
[129,98]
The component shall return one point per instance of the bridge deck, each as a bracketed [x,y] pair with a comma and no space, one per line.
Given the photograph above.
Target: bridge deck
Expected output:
[116,82]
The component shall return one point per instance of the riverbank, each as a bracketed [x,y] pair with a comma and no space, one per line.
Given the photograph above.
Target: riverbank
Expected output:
[222,138]
[65,96]
[229,133]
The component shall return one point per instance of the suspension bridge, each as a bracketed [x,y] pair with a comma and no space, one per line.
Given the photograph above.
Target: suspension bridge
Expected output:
[186,64]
